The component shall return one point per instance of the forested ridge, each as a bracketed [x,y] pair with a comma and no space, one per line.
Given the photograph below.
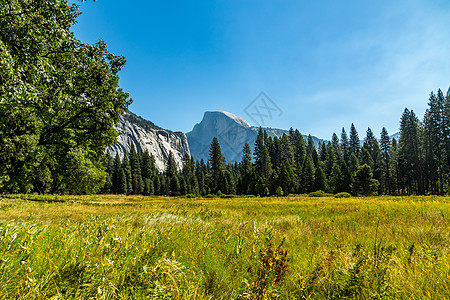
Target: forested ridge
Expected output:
[418,163]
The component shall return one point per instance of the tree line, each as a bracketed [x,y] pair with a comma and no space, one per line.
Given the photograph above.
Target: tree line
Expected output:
[418,163]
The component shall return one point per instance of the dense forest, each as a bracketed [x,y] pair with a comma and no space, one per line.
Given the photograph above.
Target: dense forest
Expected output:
[418,163]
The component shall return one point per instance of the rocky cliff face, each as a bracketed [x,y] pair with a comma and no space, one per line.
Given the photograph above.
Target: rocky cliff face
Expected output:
[232,133]
[144,135]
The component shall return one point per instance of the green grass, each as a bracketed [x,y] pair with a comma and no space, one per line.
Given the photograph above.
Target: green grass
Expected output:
[119,247]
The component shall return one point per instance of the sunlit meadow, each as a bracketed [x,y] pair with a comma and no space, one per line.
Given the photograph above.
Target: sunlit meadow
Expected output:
[117,247]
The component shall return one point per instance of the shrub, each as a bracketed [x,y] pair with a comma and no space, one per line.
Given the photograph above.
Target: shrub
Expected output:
[228,196]
[279,191]
[319,193]
[190,196]
[342,195]
[209,196]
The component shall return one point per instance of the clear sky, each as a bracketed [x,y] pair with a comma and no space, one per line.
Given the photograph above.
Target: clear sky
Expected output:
[324,63]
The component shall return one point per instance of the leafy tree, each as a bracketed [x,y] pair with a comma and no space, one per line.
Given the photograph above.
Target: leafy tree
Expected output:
[60,100]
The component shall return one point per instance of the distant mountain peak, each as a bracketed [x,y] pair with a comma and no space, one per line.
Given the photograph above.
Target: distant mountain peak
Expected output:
[233,117]
[232,133]
[448,92]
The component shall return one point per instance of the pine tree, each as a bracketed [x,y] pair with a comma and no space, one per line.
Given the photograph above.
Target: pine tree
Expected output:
[137,182]
[330,159]
[385,147]
[174,186]
[335,181]
[354,143]
[364,183]
[246,166]
[286,178]
[171,166]
[393,167]
[148,168]
[286,150]
[257,153]
[378,169]
[217,162]
[366,158]
[116,175]
[127,171]
[299,146]
[369,141]
[157,185]
[336,146]
[265,165]
[408,154]
[123,186]
[108,186]
[345,144]
[319,179]
[307,178]
[311,151]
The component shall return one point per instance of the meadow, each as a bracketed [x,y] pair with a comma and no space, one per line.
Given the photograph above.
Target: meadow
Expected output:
[122,247]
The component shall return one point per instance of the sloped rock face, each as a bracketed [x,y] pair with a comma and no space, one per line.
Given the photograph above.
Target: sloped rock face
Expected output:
[144,135]
[448,92]
[232,133]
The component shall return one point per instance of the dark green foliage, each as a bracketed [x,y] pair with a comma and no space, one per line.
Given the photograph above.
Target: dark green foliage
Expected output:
[344,143]
[364,183]
[127,172]
[171,166]
[60,100]
[342,195]
[279,191]
[409,164]
[354,143]
[217,162]
[308,175]
[319,179]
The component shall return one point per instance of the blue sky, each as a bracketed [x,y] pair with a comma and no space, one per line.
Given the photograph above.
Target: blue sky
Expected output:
[324,63]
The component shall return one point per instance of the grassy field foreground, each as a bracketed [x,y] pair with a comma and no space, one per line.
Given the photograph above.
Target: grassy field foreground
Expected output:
[108,247]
